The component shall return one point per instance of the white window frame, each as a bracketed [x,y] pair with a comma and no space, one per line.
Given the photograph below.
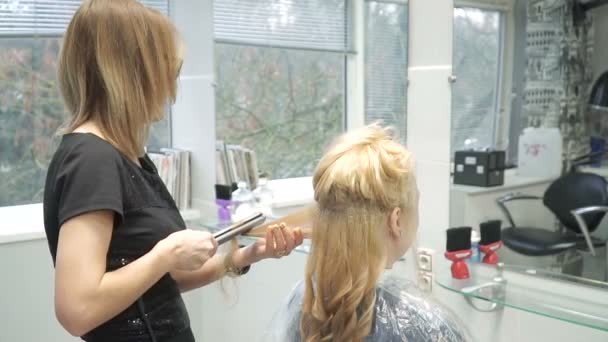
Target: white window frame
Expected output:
[355,70]
[502,122]
[354,107]
[291,192]
[297,191]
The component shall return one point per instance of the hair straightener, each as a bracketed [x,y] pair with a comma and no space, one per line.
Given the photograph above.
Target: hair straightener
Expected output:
[253,226]
[239,228]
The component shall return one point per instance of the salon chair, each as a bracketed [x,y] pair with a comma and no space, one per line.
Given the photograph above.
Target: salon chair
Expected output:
[579,201]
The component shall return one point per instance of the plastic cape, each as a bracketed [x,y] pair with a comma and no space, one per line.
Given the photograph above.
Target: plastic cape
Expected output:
[402,313]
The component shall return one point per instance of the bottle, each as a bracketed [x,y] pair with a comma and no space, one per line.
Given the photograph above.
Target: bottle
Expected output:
[243,200]
[264,197]
[475,238]
[223,200]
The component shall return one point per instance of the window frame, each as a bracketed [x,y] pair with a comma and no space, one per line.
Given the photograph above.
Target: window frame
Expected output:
[511,132]
[355,70]
[36,208]
[354,98]
[354,86]
[354,103]
[354,115]
[354,107]
[506,100]
[503,101]
[401,131]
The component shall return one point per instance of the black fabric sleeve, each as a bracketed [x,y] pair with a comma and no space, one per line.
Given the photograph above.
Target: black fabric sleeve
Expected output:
[90,180]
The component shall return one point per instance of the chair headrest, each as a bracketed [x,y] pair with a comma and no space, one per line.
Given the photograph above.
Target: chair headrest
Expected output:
[574,191]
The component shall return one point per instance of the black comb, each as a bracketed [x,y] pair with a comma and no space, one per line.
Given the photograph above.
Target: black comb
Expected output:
[490,232]
[458,239]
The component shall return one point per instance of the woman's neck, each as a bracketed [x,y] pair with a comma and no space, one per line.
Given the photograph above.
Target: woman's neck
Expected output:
[90,127]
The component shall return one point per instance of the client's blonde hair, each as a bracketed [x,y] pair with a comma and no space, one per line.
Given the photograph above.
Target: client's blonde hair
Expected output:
[359,181]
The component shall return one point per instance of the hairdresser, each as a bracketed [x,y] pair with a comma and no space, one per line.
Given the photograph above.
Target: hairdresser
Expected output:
[121,250]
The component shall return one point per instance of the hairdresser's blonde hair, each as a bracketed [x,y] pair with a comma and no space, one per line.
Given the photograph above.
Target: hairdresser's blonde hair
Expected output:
[118,68]
[359,181]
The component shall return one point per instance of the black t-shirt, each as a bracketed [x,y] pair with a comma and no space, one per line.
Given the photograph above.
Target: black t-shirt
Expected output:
[87,174]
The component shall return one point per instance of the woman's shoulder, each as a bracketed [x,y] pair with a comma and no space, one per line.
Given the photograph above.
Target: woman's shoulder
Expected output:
[85,150]
[85,155]
[87,144]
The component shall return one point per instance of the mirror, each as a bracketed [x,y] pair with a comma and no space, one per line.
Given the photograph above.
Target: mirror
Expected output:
[529,116]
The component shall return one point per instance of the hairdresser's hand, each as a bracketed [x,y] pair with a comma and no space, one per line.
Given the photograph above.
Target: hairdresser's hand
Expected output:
[279,242]
[188,250]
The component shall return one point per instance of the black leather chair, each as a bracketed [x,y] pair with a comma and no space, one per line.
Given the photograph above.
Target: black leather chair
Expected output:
[579,201]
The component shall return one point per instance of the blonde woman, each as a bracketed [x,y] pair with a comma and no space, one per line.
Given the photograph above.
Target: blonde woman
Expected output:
[119,245]
[366,218]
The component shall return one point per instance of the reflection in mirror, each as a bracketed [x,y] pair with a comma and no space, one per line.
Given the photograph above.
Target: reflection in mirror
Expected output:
[477,59]
[529,130]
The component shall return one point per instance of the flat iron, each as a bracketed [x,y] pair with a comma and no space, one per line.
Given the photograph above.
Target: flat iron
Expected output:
[239,228]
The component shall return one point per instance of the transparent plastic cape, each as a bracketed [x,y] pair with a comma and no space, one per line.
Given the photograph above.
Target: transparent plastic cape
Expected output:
[403,313]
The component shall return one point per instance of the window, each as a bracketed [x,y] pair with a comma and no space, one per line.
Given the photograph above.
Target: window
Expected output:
[31,108]
[478,39]
[386,49]
[281,79]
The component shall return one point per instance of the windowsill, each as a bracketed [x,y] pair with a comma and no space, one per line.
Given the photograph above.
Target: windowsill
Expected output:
[292,192]
[26,223]
[21,223]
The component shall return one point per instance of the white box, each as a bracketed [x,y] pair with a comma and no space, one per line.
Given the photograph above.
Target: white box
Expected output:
[540,152]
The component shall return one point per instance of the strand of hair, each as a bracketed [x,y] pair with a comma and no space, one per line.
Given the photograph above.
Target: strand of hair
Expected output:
[299,219]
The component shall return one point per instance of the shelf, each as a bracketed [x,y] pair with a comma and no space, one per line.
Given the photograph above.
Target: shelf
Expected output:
[539,292]
[512,182]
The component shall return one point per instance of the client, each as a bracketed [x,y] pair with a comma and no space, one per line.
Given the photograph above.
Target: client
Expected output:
[366,218]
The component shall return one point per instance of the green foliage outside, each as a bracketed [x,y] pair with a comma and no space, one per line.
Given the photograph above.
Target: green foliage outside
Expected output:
[286,105]
[477,39]
[31,112]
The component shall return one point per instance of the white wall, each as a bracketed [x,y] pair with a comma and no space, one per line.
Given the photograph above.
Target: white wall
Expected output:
[429,125]
[26,294]
[193,115]
[27,311]
[600,55]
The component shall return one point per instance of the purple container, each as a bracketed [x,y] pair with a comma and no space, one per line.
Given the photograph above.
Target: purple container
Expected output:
[223,210]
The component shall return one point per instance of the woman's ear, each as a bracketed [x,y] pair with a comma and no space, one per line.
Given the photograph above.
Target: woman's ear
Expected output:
[394,223]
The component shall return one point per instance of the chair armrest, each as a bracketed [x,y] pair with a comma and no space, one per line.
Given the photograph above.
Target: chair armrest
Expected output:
[501,202]
[578,215]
